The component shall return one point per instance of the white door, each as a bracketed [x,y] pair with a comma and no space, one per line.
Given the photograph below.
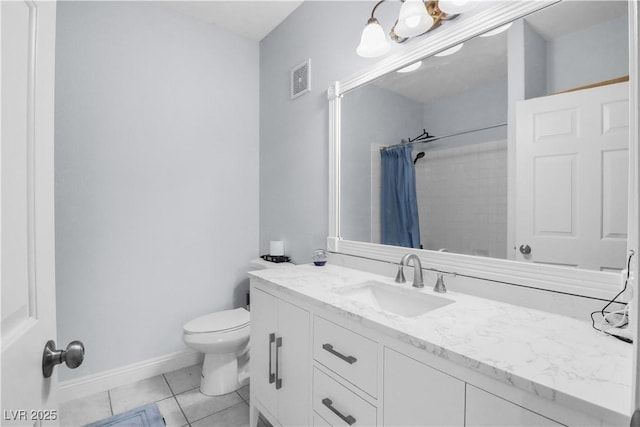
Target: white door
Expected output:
[572,172]
[28,282]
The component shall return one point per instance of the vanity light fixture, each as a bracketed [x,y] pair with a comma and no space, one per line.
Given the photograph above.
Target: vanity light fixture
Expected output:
[416,17]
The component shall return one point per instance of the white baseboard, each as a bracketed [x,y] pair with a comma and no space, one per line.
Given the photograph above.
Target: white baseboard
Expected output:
[103,381]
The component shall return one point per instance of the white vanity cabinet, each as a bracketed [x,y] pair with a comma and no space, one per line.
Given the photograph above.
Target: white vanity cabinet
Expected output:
[313,365]
[280,359]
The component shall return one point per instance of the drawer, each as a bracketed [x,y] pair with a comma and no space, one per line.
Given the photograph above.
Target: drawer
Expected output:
[348,354]
[338,405]
[318,421]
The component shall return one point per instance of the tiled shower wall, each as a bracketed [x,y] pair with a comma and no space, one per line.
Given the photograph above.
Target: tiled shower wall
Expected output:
[462,198]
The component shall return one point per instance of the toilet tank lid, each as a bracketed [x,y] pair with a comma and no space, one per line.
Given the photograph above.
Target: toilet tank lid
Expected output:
[219,321]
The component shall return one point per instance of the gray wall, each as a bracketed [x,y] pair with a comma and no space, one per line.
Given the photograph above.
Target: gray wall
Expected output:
[590,56]
[294,133]
[156,177]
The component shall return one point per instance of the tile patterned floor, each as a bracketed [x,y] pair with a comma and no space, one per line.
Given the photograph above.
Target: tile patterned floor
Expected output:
[177,395]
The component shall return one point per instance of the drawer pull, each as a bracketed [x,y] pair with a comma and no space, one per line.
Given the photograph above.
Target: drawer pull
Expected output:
[272,376]
[349,359]
[347,419]
[278,379]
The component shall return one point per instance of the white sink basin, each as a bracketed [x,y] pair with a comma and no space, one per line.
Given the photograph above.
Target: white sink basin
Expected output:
[404,302]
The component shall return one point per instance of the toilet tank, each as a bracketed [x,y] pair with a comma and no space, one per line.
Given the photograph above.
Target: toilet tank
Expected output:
[260,264]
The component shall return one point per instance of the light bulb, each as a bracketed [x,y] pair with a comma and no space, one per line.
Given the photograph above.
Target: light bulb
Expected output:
[373,42]
[413,19]
[453,7]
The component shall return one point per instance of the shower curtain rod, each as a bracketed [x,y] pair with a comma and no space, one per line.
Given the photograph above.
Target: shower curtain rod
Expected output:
[426,138]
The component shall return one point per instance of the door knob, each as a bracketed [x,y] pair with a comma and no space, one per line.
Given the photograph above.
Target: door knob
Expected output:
[72,356]
[525,249]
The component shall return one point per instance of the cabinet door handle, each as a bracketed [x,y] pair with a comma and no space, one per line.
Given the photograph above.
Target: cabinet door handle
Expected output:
[329,404]
[278,379]
[272,339]
[349,359]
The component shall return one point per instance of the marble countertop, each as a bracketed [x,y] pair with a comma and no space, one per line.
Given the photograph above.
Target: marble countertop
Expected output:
[555,357]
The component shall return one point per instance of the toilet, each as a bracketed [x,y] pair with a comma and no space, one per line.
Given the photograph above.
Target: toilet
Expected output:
[223,337]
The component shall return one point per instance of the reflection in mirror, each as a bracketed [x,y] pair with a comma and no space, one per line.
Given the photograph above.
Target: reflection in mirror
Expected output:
[506,159]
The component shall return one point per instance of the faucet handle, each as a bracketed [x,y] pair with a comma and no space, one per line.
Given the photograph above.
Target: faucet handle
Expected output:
[400,276]
[439,287]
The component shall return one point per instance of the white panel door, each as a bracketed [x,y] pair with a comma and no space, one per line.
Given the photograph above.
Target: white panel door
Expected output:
[28,275]
[572,178]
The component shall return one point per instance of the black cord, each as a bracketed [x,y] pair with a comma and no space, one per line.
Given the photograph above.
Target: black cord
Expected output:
[603,312]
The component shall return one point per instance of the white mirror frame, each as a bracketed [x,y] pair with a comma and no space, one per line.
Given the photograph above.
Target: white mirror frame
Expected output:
[593,284]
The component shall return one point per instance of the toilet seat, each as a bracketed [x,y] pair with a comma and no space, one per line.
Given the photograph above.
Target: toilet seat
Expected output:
[222,321]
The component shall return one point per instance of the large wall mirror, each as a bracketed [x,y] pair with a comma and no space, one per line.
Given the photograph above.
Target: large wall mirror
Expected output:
[521,165]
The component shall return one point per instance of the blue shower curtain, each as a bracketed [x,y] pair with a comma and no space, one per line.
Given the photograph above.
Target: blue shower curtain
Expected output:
[398,201]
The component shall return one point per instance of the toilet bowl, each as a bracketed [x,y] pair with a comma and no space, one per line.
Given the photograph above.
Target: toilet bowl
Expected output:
[223,337]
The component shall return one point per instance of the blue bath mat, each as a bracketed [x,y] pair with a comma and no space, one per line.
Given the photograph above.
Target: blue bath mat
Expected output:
[144,416]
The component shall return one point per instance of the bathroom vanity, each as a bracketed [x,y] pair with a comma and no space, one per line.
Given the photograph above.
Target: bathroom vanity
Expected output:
[337,346]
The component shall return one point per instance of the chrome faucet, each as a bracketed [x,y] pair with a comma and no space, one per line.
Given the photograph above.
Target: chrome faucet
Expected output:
[418,282]
[439,287]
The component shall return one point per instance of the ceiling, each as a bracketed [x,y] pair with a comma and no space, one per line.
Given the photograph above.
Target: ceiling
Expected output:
[250,19]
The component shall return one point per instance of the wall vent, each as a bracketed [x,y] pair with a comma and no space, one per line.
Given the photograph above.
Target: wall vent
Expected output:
[301,79]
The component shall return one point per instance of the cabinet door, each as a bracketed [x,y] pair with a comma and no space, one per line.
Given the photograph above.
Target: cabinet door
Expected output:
[485,409]
[417,395]
[264,318]
[294,365]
